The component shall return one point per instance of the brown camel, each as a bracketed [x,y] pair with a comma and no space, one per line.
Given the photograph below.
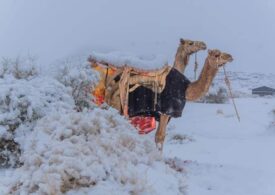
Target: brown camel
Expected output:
[196,89]
[112,94]
[185,50]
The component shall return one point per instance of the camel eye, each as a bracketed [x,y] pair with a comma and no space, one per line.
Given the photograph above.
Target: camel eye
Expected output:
[191,43]
[217,55]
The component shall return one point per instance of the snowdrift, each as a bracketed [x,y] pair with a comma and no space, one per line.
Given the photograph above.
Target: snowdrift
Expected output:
[67,145]
[67,151]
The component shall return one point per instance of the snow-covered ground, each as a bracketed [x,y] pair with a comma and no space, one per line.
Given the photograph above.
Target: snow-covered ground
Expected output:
[67,144]
[222,155]
[96,151]
[207,151]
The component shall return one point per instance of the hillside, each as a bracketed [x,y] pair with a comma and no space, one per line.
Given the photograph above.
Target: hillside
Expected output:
[243,83]
[54,140]
[96,151]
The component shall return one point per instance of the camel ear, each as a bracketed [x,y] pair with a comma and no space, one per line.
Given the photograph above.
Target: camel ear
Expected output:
[210,51]
[182,41]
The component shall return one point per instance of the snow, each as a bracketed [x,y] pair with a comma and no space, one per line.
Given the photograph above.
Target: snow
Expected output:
[244,82]
[68,145]
[71,147]
[122,58]
[75,148]
[82,149]
[225,156]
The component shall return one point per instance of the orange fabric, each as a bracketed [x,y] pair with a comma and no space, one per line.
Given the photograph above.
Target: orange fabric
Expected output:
[99,91]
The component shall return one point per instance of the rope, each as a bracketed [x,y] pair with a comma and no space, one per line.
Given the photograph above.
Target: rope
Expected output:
[227,82]
[195,67]
[106,77]
[156,91]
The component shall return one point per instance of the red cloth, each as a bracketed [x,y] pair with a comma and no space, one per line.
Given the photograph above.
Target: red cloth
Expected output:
[143,124]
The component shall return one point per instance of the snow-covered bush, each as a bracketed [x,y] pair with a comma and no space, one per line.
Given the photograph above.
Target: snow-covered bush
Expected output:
[20,68]
[78,150]
[58,146]
[218,97]
[9,153]
[81,79]
[26,96]
[22,103]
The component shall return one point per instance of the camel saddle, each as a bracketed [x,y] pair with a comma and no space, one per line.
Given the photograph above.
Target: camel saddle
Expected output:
[142,93]
[117,79]
[129,76]
[132,78]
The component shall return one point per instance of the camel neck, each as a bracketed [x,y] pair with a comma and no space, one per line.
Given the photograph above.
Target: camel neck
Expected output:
[181,60]
[208,72]
[200,87]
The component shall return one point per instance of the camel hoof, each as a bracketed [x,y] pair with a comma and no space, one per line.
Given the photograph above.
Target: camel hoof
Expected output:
[159,140]
[159,146]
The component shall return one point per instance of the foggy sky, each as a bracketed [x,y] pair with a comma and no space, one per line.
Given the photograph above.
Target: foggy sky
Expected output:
[52,29]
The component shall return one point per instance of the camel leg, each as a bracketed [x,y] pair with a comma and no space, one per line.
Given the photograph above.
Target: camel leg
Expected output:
[161,132]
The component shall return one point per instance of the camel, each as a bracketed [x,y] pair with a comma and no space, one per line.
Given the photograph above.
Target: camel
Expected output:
[184,51]
[196,89]
[191,91]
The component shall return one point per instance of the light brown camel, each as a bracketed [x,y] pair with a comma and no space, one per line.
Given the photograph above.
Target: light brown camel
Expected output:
[112,94]
[184,51]
[196,89]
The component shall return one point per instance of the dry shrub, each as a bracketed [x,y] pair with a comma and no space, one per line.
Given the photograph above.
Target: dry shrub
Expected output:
[219,97]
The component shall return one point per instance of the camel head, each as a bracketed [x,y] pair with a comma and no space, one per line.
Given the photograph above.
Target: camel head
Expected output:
[217,58]
[191,47]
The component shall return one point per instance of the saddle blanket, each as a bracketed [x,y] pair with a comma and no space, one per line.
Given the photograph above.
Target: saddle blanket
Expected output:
[171,101]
